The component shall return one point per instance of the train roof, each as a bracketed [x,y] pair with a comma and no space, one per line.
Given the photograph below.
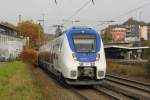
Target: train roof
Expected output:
[81,30]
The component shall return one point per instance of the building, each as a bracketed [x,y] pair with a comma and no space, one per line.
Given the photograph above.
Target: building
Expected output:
[136,30]
[10,44]
[114,33]
[106,35]
[118,33]
[126,39]
[129,31]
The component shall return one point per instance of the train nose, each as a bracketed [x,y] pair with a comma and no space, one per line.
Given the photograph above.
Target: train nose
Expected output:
[86,72]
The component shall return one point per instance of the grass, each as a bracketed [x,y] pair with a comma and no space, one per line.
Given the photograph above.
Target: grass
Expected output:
[18,83]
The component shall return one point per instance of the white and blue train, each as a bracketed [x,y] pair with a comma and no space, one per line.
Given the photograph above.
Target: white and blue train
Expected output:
[76,56]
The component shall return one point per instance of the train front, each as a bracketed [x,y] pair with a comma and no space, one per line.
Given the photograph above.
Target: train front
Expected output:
[86,64]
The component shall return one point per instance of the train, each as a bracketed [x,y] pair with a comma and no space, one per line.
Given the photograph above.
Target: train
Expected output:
[77,57]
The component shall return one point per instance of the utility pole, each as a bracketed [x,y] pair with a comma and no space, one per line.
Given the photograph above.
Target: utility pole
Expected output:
[43,21]
[20,18]
[140,15]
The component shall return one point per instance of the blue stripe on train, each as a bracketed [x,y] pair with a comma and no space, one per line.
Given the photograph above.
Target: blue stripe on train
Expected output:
[86,57]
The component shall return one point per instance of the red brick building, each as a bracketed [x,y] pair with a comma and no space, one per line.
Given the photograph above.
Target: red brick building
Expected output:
[118,34]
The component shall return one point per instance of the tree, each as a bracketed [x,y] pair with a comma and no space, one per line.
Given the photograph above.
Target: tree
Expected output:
[32,30]
[29,55]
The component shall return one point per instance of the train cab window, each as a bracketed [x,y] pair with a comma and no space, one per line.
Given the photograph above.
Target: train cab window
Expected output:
[85,43]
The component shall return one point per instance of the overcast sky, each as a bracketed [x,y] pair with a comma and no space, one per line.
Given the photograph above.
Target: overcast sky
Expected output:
[103,10]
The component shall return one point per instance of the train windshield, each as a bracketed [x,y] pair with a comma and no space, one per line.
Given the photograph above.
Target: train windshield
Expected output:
[85,43]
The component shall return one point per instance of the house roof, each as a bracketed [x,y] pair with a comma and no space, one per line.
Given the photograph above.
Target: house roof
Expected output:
[113,26]
[6,30]
[6,27]
[116,26]
[131,21]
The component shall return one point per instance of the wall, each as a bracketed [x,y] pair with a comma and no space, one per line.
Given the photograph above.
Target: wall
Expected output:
[10,46]
[144,33]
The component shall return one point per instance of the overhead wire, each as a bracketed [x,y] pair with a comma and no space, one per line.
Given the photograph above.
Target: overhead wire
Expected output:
[56,2]
[128,12]
[78,10]
[132,10]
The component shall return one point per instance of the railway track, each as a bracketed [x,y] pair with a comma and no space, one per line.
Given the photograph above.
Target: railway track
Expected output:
[114,94]
[98,92]
[86,93]
[90,93]
[136,84]
[130,88]
[114,87]
[141,89]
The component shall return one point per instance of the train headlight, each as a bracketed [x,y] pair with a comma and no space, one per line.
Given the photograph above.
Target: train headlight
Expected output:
[100,73]
[73,73]
[74,56]
[97,56]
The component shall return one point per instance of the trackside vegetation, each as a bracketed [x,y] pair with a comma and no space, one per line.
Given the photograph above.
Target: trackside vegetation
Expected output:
[18,83]
[147,55]
[148,67]
[137,72]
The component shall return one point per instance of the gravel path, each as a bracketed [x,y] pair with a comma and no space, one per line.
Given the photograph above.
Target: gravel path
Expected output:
[51,90]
